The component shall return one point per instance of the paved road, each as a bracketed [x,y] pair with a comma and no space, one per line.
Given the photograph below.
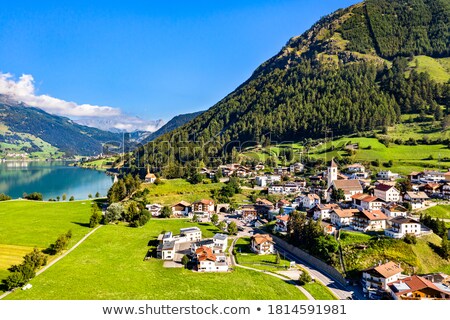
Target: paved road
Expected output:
[340,291]
[234,264]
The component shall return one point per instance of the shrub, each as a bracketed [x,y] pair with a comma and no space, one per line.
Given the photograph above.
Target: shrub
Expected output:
[4,197]
[304,278]
[35,196]
[410,238]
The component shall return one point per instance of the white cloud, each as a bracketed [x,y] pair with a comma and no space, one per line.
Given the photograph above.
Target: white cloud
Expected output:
[23,90]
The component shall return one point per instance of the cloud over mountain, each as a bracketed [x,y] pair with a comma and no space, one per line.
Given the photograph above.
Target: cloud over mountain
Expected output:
[23,90]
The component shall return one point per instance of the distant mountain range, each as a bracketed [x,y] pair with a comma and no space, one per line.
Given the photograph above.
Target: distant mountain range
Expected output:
[173,124]
[32,131]
[116,124]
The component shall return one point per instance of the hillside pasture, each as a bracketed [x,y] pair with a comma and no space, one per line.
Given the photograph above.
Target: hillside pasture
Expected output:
[110,265]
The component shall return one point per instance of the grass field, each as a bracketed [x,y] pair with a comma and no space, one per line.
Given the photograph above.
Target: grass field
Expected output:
[110,265]
[439,211]
[10,255]
[405,158]
[27,224]
[362,251]
[175,190]
[100,164]
[246,257]
[319,291]
[436,68]
[34,223]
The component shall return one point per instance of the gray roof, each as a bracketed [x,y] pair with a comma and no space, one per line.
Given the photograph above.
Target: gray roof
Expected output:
[189,230]
[220,236]
[167,235]
[204,242]
[170,245]
[401,220]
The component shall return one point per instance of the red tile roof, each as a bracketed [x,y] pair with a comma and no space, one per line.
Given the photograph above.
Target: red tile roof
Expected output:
[387,270]
[414,283]
[261,238]
[204,253]
[383,187]
[283,218]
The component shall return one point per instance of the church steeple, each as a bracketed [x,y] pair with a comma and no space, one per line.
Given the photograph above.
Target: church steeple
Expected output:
[332,172]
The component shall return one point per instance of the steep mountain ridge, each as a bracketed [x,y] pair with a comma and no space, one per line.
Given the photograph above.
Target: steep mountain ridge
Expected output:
[346,74]
[22,125]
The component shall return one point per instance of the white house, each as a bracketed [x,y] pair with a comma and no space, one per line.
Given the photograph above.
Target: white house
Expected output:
[290,188]
[367,202]
[401,226]
[445,191]
[310,200]
[209,262]
[203,206]
[416,198]
[376,279]
[276,189]
[149,177]
[433,176]
[356,167]
[181,208]
[322,211]
[395,210]
[166,250]
[191,233]
[261,181]
[262,244]
[342,217]
[387,175]
[369,220]
[296,167]
[154,209]
[282,221]
[387,193]
[221,241]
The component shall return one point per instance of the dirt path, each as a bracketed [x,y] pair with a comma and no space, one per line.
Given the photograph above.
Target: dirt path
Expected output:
[59,258]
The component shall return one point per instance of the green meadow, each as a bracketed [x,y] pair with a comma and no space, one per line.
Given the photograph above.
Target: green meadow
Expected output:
[110,265]
[28,224]
[439,211]
[175,190]
[406,158]
[245,256]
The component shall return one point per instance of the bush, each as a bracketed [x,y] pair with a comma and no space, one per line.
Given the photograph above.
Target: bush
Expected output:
[60,244]
[96,216]
[304,278]
[410,238]
[35,196]
[21,274]
[4,197]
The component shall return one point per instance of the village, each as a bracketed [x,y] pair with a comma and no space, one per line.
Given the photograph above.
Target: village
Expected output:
[340,200]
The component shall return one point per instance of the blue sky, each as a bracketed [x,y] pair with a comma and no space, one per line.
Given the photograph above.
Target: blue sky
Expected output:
[153,59]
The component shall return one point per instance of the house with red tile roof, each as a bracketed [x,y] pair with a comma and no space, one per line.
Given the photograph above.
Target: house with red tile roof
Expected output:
[342,217]
[282,222]
[417,288]
[207,261]
[204,206]
[262,244]
[375,279]
[369,220]
[368,202]
[387,192]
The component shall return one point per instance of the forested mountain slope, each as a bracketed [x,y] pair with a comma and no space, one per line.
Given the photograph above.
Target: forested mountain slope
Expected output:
[350,72]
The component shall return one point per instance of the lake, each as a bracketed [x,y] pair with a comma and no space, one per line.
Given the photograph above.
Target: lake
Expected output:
[52,179]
